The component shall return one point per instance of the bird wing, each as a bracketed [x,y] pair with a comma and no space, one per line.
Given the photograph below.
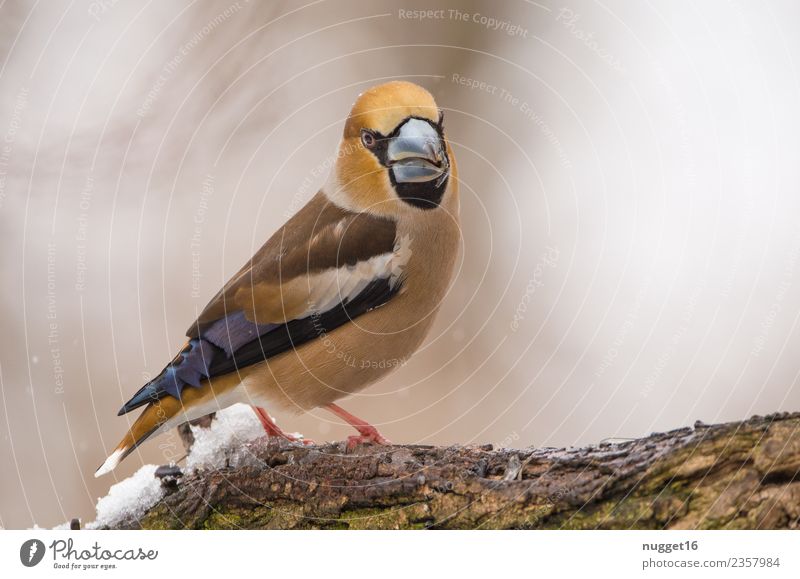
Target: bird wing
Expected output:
[324,267]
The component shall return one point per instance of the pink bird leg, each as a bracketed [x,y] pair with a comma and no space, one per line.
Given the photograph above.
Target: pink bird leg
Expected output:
[366,432]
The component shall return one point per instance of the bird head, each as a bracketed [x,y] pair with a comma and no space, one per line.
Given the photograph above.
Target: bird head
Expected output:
[393,156]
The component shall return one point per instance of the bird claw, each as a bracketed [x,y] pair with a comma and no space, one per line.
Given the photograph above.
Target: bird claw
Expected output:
[299,438]
[366,432]
[294,438]
[367,437]
[274,431]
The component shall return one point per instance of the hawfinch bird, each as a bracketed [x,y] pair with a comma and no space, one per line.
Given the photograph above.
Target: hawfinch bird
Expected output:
[341,294]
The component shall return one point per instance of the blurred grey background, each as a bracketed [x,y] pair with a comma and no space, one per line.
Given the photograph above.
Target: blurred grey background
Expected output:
[630,186]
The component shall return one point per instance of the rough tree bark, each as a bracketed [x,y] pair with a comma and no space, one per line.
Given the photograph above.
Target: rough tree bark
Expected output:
[737,475]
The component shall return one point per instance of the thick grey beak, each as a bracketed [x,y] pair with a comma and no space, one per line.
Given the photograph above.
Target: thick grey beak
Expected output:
[416,154]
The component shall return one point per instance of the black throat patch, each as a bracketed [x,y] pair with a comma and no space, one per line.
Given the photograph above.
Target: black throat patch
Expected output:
[427,195]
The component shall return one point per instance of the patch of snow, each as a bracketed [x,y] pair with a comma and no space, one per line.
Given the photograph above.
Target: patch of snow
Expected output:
[218,446]
[65,526]
[129,499]
[221,444]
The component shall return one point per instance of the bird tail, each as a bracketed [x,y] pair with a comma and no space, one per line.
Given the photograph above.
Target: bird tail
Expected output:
[189,368]
[164,413]
[157,416]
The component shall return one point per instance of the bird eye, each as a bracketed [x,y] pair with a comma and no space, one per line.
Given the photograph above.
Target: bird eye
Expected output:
[368,138]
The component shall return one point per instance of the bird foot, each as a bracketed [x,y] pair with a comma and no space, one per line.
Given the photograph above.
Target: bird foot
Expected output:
[274,431]
[366,432]
[299,438]
[367,436]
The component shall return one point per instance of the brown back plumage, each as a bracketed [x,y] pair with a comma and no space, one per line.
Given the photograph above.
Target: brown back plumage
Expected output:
[322,235]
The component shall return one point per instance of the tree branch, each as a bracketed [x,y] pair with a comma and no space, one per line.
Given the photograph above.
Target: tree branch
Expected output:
[737,475]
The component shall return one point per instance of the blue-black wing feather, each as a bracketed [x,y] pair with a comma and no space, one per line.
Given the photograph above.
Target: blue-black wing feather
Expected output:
[233,343]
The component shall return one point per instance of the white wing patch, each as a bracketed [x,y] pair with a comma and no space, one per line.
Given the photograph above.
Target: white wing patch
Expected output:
[331,287]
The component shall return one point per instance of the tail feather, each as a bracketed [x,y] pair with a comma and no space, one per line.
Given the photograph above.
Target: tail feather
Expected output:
[168,411]
[188,368]
[155,416]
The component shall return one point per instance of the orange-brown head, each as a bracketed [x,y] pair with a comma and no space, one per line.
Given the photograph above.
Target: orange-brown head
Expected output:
[394,155]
